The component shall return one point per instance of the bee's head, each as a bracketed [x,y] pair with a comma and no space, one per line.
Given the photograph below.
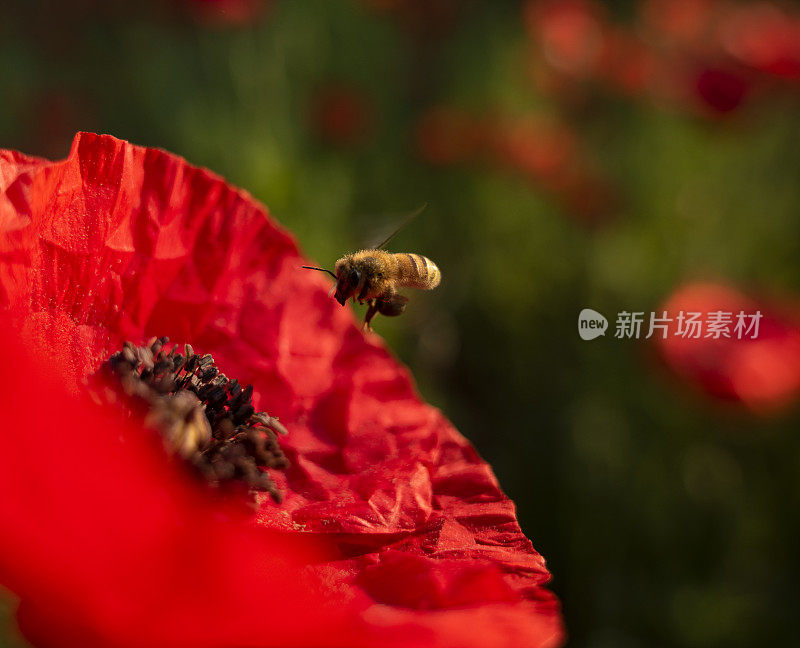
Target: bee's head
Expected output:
[349,280]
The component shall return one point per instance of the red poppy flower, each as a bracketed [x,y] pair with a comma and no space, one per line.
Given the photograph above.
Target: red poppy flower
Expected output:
[760,369]
[107,543]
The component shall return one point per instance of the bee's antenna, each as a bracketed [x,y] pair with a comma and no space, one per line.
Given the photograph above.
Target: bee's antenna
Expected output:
[321,270]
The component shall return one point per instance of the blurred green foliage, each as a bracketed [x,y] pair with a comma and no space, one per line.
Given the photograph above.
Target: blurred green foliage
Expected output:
[665,521]
[9,636]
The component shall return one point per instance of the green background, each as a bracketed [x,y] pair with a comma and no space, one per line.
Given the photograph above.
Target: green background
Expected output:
[665,520]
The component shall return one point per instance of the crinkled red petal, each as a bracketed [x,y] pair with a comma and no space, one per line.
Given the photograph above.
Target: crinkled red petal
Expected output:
[122,242]
[107,544]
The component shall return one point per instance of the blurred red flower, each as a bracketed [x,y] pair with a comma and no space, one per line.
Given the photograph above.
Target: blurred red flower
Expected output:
[720,89]
[570,32]
[710,57]
[227,12]
[341,115]
[549,154]
[765,37]
[545,152]
[680,24]
[106,543]
[447,135]
[628,64]
[761,373]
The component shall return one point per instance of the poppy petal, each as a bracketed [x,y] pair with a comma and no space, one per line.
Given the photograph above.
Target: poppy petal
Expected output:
[123,242]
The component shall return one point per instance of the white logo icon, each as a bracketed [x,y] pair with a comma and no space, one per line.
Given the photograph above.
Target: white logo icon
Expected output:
[591,324]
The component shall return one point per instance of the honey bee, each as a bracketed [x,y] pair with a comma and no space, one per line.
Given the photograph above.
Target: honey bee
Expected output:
[374,275]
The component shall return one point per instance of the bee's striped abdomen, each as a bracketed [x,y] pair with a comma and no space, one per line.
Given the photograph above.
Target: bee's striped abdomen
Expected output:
[417,271]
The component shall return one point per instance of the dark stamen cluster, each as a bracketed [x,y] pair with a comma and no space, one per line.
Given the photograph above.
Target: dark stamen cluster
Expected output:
[202,415]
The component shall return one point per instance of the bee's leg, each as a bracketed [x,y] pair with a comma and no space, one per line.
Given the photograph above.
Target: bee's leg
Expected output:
[392,305]
[371,311]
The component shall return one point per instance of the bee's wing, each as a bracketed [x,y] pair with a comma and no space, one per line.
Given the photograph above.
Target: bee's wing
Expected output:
[405,221]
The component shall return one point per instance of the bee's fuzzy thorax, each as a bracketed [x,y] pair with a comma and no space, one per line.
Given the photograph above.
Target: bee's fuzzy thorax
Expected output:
[375,276]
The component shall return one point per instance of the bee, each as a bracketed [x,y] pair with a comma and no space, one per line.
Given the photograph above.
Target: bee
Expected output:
[374,276]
